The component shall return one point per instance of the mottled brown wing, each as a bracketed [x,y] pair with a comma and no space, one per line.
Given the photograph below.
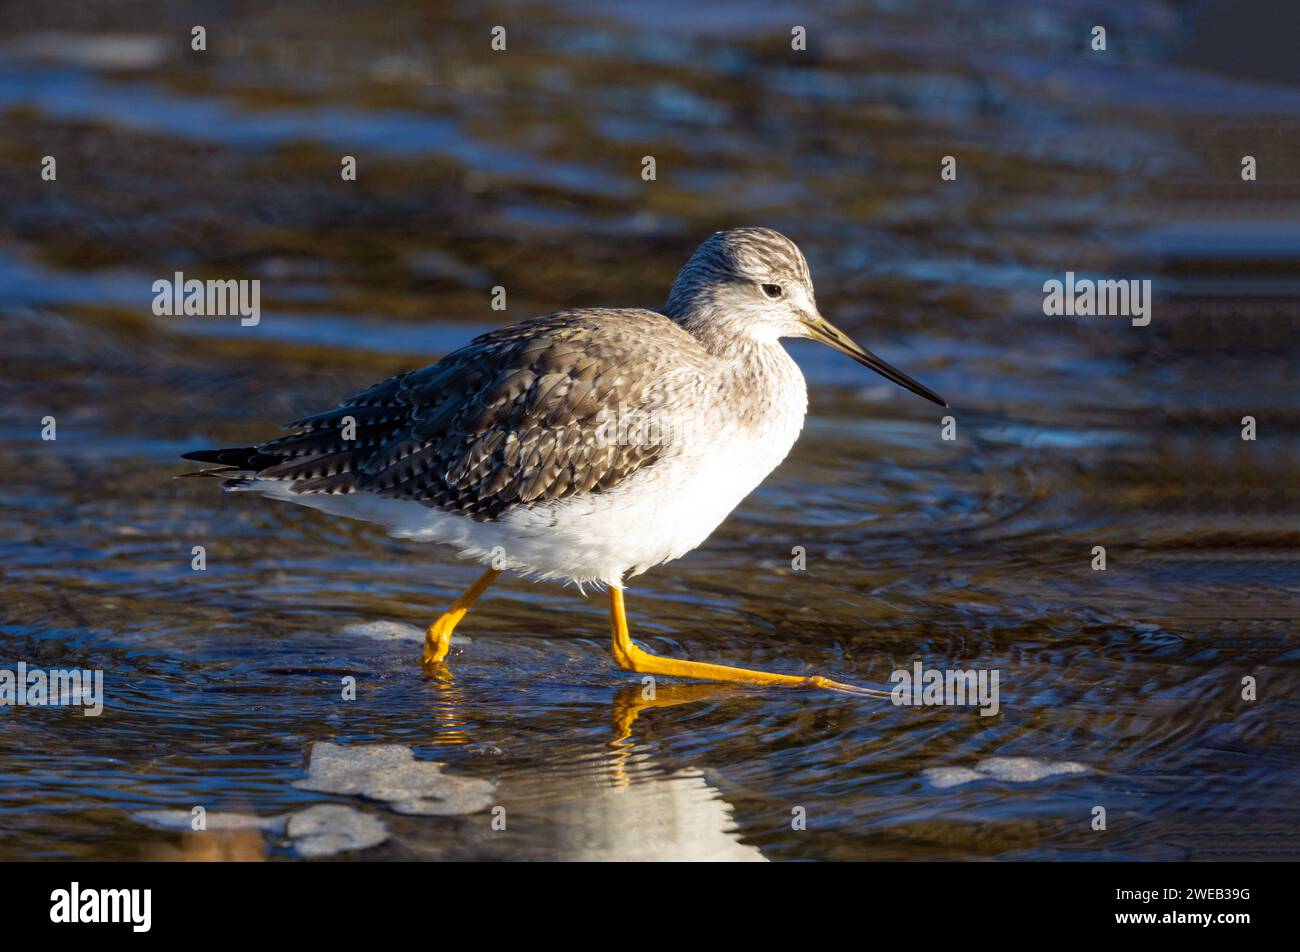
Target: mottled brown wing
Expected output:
[513,418]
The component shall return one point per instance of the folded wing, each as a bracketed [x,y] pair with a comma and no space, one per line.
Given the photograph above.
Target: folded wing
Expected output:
[524,415]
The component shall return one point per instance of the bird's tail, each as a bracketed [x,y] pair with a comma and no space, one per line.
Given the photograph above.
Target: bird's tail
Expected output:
[234,462]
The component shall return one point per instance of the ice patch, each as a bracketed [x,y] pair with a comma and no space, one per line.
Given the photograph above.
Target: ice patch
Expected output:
[943,777]
[390,772]
[330,828]
[321,830]
[1006,769]
[121,51]
[394,631]
[183,820]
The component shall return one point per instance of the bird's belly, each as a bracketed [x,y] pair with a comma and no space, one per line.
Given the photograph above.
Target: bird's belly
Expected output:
[660,514]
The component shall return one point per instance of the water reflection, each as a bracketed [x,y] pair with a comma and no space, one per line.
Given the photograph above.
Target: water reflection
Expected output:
[632,700]
[523,171]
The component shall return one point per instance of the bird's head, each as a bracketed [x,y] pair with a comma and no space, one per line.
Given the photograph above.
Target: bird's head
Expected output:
[754,283]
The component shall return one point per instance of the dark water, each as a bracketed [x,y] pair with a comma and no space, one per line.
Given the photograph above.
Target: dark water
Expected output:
[522,169]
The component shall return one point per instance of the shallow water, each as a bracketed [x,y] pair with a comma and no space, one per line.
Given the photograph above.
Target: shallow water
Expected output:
[522,169]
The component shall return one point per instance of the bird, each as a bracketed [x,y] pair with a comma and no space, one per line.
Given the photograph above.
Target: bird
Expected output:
[585,446]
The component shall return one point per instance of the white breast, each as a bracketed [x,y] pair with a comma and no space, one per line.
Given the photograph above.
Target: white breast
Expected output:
[669,508]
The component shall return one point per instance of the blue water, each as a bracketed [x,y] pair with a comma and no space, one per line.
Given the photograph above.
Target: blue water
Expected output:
[523,170]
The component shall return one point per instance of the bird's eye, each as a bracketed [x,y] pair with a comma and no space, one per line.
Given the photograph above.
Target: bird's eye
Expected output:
[772,290]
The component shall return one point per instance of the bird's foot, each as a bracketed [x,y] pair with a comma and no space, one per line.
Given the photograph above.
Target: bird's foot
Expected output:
[437,640]
[630,657]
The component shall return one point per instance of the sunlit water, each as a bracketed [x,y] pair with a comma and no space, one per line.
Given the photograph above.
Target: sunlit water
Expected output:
[522,169]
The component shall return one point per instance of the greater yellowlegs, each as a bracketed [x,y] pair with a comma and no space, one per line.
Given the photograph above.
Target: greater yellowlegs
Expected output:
[586,446]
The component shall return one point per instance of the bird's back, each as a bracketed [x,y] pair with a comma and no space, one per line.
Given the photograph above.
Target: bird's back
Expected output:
[518,416]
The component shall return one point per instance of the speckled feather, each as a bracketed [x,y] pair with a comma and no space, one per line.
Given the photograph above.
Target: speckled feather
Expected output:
[503,449]
[511,419]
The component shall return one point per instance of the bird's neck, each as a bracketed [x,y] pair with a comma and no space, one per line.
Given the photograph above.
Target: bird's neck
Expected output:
[762,383]
[766,392]
[722,331]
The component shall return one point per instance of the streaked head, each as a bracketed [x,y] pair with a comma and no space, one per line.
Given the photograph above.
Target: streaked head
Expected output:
[754,283]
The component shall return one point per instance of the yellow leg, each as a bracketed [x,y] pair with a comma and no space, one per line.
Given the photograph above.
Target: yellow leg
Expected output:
[631,658]
[437,641]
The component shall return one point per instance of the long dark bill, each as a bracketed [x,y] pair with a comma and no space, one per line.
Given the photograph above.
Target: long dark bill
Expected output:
[823,330]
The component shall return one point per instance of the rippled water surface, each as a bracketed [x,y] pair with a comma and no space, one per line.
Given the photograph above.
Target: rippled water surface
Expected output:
[1122,688]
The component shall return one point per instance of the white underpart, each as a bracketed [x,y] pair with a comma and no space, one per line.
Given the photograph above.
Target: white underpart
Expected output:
[658,514]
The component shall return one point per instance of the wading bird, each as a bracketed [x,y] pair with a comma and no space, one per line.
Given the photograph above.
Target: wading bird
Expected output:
[585,446]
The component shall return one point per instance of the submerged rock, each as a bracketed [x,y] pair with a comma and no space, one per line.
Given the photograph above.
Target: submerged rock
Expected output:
[390,772]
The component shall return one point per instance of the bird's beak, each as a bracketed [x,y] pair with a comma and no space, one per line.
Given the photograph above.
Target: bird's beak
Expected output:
[821,329]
